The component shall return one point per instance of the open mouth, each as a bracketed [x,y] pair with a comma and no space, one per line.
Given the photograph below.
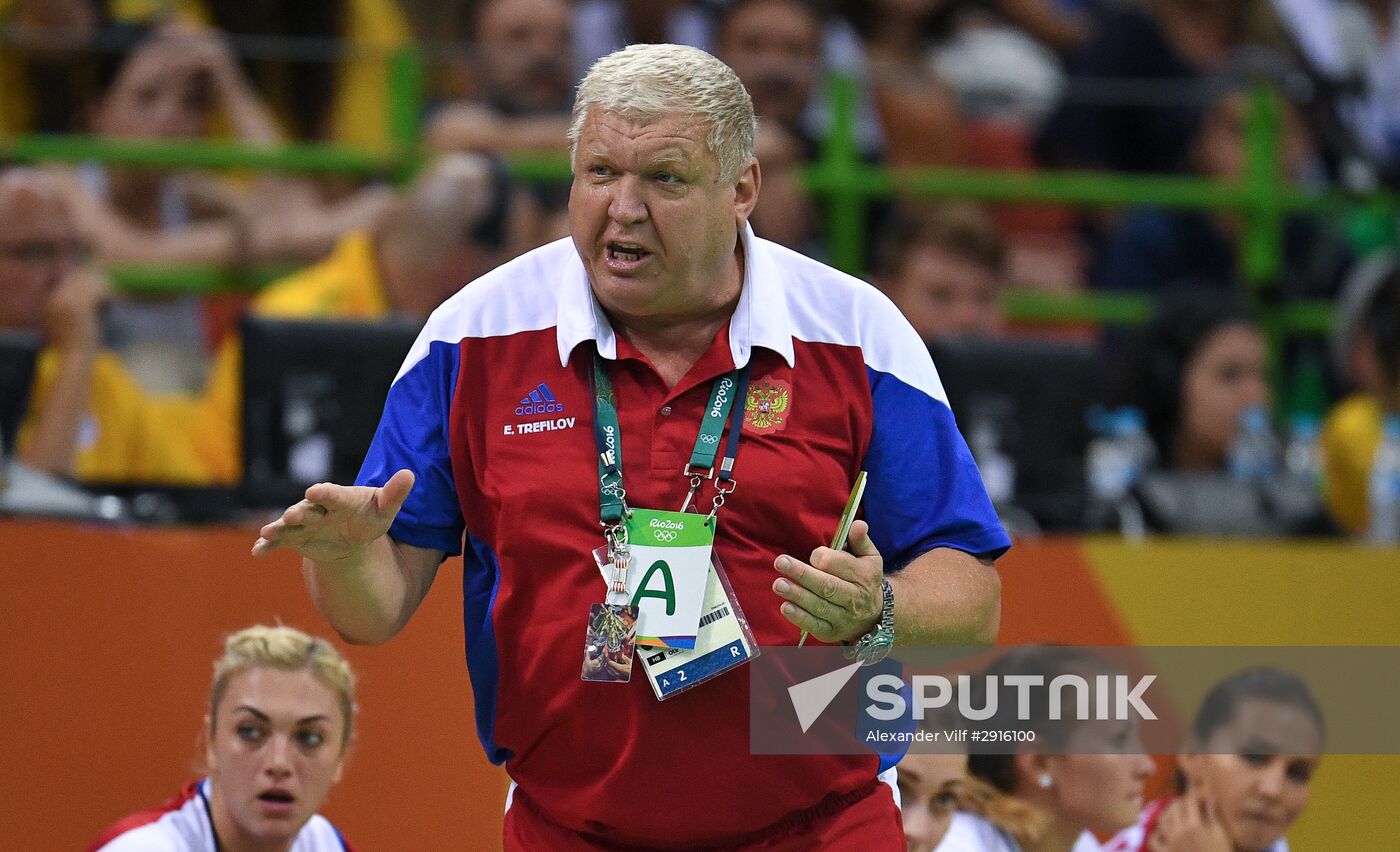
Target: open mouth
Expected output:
[622,252]
[277,801]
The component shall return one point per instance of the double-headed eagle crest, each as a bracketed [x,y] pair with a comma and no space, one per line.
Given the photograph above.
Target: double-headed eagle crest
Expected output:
[766,409]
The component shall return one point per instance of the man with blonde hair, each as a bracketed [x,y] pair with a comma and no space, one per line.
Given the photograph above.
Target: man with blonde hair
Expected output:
[549,409]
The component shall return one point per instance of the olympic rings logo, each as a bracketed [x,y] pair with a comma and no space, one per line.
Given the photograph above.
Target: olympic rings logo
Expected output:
[709,439]
[664,535]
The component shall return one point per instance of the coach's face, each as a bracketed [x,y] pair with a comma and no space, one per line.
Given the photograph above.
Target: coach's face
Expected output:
[654,224]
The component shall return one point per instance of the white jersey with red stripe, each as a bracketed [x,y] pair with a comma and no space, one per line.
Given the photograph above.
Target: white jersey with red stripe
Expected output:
[969,832]
[1134,838]
[183,824]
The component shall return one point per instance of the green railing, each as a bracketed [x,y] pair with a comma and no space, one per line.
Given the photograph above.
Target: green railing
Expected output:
[845,183]
[1262,199]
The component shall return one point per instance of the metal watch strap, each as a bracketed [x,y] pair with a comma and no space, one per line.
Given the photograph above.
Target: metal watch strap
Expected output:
[875,645]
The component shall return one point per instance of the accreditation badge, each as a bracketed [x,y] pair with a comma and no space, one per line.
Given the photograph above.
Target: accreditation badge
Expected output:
[667,574]
[725,642]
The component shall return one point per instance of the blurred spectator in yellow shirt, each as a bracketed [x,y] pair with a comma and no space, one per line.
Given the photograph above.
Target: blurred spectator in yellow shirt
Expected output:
[1367,350]
[172,86]
[332,80]
[457,222]
[87,417]
[56,51]
[343,93]
[177,85]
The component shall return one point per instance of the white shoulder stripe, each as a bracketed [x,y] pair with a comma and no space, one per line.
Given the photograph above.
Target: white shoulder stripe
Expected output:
[826,305]
[519,295]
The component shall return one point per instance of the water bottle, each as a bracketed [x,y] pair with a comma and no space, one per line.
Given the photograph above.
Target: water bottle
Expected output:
[1132,432]
[1106,466]
[1385,486]
[1302,457]
[1114,461]
[997,468]
[1119,455]
[1253,455]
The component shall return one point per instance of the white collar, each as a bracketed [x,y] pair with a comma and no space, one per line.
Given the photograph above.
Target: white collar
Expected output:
[760,318]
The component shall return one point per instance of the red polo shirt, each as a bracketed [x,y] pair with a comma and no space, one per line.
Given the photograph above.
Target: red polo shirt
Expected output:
[492,410]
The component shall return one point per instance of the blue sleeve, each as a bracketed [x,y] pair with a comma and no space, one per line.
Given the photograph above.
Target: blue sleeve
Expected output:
[413,434]
[924,489]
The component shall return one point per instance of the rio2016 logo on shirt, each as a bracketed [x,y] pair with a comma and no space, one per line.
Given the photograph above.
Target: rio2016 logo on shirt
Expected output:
[768,407]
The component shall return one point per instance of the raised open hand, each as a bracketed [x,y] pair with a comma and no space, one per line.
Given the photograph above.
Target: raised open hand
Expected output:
[336,521]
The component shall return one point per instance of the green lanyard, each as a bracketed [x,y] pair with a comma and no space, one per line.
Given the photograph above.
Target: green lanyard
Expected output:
[607,434]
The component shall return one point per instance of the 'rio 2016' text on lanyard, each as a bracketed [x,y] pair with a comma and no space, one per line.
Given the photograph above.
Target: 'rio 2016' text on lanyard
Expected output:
[668,617]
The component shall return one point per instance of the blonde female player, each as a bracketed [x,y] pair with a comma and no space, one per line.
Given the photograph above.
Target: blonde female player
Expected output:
[281,711]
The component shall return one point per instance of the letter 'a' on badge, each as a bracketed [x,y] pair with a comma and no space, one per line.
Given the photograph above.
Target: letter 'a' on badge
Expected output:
[609,645]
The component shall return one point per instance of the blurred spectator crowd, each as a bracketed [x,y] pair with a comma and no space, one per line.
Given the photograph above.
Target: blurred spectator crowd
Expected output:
[131,387]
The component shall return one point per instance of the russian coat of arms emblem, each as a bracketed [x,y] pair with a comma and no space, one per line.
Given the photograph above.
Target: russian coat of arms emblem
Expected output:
[768,405]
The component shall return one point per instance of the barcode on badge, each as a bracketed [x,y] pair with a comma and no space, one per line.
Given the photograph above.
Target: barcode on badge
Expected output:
[714,616]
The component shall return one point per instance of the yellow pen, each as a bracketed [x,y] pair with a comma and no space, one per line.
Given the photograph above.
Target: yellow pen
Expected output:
[843,529]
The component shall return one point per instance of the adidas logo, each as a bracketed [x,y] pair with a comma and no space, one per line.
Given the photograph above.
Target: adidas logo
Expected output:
[539,401]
